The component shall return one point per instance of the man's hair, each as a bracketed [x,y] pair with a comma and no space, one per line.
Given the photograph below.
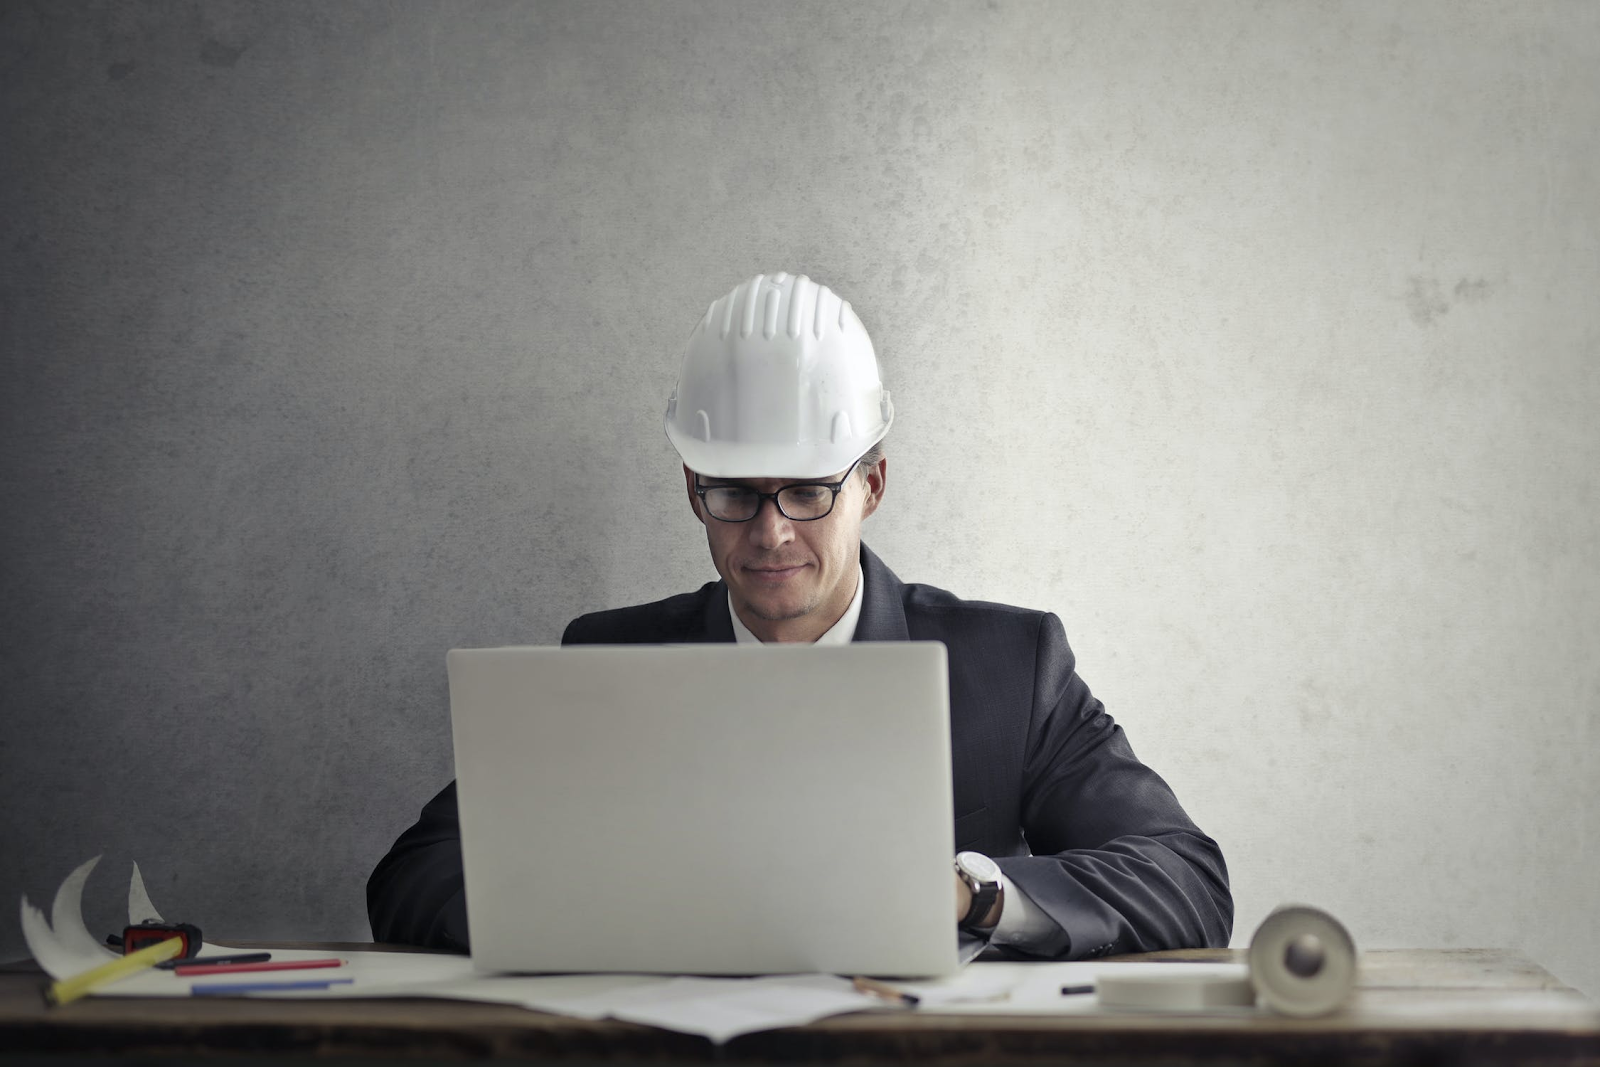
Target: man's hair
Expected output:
[869,459]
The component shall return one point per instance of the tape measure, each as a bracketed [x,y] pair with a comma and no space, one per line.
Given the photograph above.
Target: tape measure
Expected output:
[150,932]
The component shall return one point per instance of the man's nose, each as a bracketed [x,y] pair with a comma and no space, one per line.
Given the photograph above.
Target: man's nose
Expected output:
[769,529]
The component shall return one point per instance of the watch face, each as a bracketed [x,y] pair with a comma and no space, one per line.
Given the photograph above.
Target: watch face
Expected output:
[979,866]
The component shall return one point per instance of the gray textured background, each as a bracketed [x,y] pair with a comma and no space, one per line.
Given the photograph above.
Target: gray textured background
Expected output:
[1260,342]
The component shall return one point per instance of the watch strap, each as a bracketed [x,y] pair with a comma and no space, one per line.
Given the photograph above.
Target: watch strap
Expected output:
[982,901]
[984,895]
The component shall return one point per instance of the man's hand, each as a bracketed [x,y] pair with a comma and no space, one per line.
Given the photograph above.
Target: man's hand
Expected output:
[964,901]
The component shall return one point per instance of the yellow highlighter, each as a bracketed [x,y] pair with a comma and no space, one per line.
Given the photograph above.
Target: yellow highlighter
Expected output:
[70,989]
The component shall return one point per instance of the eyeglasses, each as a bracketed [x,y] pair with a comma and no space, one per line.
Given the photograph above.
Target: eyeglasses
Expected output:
[800,502]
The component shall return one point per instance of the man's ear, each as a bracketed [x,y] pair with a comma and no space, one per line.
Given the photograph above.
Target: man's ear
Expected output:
[876,478]
[694,497]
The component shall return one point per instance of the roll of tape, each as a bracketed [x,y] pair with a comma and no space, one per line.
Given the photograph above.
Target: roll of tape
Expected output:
[1302,961]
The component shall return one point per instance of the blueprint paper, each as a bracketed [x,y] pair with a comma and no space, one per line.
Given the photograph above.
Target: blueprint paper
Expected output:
[716,1008]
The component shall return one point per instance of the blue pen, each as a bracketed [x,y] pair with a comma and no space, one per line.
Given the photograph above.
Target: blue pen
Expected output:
[229,988]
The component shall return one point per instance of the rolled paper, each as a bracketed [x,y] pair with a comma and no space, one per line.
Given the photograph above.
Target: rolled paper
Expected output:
[1302,961]
[1177,992]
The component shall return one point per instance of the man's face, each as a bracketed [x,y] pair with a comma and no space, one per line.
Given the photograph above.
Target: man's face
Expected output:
[791,580]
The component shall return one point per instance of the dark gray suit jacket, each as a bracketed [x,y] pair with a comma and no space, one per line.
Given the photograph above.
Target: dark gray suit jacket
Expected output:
[1044,781]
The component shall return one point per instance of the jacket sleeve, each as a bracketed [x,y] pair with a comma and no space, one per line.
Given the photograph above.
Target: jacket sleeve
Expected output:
[1115,861]
[416,895]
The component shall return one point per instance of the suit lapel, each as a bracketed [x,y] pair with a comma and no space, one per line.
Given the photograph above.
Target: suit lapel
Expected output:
[718,627]
[883,613]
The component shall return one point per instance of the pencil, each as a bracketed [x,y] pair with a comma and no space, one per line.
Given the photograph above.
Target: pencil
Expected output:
[70,989]
[874,988]
[196,968]
[231,989]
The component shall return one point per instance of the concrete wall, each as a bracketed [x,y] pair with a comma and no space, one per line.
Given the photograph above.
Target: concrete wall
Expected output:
[1260,342]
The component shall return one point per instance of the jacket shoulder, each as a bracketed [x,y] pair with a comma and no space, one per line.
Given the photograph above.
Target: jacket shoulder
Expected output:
[675,619]
[929,607]
[931,598]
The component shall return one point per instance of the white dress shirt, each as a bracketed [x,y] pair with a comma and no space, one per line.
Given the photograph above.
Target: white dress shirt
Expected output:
[1022,923]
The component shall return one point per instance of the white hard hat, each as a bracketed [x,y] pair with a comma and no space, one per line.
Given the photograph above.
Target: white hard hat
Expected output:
[779,381]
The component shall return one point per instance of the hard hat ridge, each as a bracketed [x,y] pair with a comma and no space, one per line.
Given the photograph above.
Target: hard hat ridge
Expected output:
[779,380]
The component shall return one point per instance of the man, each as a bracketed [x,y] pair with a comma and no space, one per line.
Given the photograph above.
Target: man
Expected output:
[1068,847]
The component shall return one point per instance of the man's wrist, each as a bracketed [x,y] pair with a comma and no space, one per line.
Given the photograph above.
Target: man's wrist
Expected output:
[982,892]
[990,921]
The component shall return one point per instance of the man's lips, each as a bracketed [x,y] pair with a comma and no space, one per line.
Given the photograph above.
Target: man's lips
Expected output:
[767,572]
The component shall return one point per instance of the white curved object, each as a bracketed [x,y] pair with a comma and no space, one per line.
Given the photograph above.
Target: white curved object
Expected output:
[139,907]
[66,919]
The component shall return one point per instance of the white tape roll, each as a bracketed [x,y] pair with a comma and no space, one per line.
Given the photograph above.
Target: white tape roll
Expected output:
[1302,961]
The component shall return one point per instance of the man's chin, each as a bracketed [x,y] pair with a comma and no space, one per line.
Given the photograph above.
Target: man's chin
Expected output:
[777,612]
[771,608]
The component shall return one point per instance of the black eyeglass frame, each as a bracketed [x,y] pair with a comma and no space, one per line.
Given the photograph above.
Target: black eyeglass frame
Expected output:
[835,487]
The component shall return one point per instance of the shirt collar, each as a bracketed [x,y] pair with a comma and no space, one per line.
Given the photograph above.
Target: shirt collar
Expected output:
[840,633]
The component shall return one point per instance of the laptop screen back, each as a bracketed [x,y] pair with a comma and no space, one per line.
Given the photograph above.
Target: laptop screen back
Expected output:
[706,809]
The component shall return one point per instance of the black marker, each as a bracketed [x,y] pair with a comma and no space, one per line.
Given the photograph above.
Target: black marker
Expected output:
[207,961]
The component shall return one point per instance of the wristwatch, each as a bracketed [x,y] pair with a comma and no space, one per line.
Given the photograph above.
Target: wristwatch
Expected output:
[982,876]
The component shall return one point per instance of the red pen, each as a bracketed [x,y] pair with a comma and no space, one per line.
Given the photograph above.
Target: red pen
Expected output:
[199,967]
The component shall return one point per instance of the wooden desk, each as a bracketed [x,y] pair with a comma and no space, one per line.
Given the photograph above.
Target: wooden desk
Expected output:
[1465,1006]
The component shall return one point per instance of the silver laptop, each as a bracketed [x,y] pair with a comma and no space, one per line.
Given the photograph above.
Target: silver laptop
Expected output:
[706,809]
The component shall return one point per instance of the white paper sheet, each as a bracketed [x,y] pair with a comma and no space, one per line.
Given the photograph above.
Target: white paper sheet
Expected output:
[575,995]
[724,1008]
[716,1008]
[1035,988]
[57,961]
[64,946]
[139,907]
[374,974]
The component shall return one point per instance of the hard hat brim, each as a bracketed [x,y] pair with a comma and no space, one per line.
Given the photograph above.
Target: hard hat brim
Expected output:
[724,460]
